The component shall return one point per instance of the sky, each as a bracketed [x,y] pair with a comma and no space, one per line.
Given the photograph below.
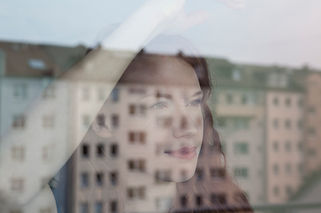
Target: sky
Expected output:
[278,32]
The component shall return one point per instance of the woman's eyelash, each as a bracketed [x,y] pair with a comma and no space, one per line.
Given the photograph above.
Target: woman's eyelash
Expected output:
[159,105]
[164,104]
[195,102]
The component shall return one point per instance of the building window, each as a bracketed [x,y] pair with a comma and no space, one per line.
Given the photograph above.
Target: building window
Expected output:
[218,198]
[288,190]
[311,131]
[130,193]
[136,192]
[276,123]
[311,109]
[101,120]
[142,137]
[37,64]
[137,109]
[137,90]
[244,99]
[241,172]
[113,206]
[20,91]
[276,146]
[115,95]
[114,121]
[288,102]
[300,124]
[84,180]
[300,102]
[18,153]
[198,200]
[288,146]
[241,148]
[17,185]
[183,201]
[100,150]
[217,173]
[199,174]
[136,165]
[98,207]
[288,124]
[164,122]
[141,192]
[183,174]
[275,101]
[136,136]
[276,169]
[229,98]
[162,176]
[99,178]
[85,151]
[49,92]
[84,207]
[113,177]
[18,121]
[276,190]
[114,150]
[241,197]
[241,123]
[288,168]
[132,109]
[236,75]
[48,121]
[300,146]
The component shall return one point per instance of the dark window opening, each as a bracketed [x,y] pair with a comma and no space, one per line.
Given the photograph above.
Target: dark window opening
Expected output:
[114,150]
[198,200]
[85,150]
[99,179]
[100,150]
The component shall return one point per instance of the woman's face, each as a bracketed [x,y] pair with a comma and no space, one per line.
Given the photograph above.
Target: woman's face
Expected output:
[174,121]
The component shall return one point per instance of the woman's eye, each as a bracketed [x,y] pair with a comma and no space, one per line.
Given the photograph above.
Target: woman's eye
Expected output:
[159,105]
[195,102]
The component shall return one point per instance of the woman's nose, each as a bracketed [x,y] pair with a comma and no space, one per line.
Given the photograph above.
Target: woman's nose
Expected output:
[183,125]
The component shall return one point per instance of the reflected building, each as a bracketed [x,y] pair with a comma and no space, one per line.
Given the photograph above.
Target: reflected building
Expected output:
[284,136]
[267,122]
[26,75]
[312,123]
[259,114]
[239,117]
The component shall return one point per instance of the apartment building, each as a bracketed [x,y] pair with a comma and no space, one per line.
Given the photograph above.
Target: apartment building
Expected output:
[284,136]
[238,106]
[31,108]
[312,122]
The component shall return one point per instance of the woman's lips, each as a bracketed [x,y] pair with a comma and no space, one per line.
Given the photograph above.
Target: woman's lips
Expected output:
[185,153]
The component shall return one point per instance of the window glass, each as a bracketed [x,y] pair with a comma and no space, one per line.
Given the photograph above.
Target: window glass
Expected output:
[152,106]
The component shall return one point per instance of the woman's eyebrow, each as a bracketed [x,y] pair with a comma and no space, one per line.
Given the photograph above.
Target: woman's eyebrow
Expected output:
[163,95]
[198,93]
[146,96]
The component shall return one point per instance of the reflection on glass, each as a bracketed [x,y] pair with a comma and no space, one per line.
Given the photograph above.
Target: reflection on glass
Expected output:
[151,147]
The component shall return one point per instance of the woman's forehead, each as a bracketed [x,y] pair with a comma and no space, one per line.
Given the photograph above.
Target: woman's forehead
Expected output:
[160,70]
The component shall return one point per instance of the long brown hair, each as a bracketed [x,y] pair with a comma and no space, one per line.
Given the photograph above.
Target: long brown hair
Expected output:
[211,140]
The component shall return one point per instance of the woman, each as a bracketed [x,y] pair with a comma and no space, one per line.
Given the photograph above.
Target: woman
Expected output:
[156,122]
